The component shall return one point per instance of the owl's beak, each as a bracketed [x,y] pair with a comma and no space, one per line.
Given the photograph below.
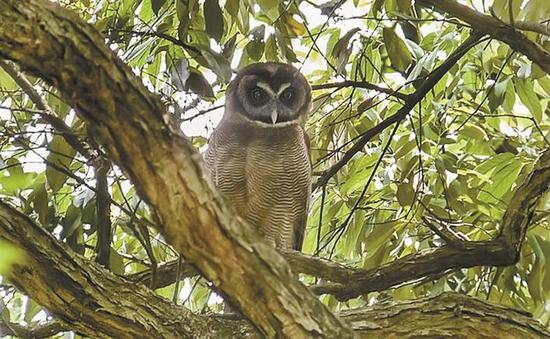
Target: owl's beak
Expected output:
[274,115]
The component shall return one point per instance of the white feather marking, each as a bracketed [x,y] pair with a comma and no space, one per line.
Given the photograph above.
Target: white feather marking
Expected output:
[266,88]
[283,87]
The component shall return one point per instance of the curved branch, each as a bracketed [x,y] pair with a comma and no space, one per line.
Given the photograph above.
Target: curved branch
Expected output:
[68,286]
[167,172]
[495,28]
[401,114]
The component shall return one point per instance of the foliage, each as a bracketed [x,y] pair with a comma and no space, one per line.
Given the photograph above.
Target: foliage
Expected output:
[455,159]
[9,255]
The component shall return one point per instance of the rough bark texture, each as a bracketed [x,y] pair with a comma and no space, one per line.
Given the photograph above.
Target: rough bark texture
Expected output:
[90,300]
[56,45]
[448,315]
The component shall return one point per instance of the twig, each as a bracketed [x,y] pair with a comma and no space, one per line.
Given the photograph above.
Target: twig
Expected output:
[361,84]
[46,112]
[103,206]
[409,104]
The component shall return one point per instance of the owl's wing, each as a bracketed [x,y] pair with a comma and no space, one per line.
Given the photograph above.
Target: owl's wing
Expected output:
[301,220]
[210,156]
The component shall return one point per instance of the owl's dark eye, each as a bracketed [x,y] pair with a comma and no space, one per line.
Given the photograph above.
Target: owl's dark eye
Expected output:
[258,96]
[287,96]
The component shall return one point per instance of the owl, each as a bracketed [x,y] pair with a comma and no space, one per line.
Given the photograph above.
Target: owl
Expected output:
[258,155]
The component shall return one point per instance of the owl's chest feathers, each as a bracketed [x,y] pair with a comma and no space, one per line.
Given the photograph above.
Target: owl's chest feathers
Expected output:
[264,161]
[270,152]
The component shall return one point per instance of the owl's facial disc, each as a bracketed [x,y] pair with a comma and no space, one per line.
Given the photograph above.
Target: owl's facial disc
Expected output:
[270,94]
[271,105]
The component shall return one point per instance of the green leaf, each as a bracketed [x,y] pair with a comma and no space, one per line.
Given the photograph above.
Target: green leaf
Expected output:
[529,98]
[61,155]
[156,5]
[9,255]
[6,81]
[399,54]
[71,221]
[32,308]
[474,132]
[269,8]
[41,204]
[198,141]
[183,15]
[213,17]
[179,73]
[270,49]
[218,64]
[17,179]
[232,7]
[255,49]
[116,262]
[503,170]
[343,43]
[535,10]
[198,84]
[405,194]
[497,95]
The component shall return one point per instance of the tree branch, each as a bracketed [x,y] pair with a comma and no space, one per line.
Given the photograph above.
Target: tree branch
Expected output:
[495,28]
[49,115]
[68,285]
[103,208]
[361,84]
[34,331]
[533,27]
[401,114]
[167,172]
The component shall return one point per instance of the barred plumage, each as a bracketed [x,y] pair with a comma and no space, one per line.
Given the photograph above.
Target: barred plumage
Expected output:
[262,167]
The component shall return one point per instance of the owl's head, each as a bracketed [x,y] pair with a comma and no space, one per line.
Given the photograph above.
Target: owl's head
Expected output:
[270,94]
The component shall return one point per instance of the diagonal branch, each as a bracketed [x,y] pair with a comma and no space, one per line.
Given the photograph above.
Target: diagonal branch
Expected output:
[411,101]
[166,170]
[495,28]
[68,286]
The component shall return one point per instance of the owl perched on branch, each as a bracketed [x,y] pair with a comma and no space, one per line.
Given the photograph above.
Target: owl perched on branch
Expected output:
[258,155]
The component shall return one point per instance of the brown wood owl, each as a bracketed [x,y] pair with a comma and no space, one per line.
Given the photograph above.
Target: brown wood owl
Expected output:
[258,155]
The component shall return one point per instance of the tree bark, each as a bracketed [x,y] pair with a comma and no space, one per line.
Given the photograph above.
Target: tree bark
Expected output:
[54,44]
[90,300]
[57,46]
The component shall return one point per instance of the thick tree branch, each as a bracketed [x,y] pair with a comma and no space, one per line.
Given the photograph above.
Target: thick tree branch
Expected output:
[69,286]
[33,331]
[69,54]
[495,28]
